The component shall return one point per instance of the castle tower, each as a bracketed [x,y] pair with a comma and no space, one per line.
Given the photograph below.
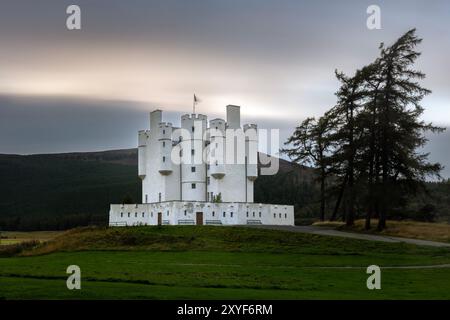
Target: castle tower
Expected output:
[198,178]
[142,149]
[193,166]
[165,147]
[216,159]
[160,176]
[251,158]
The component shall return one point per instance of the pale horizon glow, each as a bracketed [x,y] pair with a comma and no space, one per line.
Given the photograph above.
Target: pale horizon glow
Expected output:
[275,59]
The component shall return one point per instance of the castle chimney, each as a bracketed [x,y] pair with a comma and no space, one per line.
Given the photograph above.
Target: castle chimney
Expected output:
[233,117]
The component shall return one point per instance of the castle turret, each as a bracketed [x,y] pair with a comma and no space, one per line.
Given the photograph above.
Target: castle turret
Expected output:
[251,151]
[217,146]
[155,119]
[165,147]
[142,149]
[193,167]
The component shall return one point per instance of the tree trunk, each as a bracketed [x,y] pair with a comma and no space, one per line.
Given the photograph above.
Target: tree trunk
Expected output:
[350,221]
[385,148]
[322,195]
[371,196]
[339,199]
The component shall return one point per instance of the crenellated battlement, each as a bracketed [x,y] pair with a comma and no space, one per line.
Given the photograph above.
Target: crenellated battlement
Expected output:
[194,116]
[250,126]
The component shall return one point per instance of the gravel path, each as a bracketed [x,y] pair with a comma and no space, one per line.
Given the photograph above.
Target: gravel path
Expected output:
[335,233]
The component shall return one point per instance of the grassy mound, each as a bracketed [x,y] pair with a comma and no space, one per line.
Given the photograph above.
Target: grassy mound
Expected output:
[204,238]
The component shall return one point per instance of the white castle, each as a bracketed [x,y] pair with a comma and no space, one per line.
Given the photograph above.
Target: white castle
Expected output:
[195,174]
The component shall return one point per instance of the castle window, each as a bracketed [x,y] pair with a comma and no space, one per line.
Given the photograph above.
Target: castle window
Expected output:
[192,151]
[193,128]
[260,214]
[247,214]
[167,212]
[231,214]
[143,214]
[224,214]
[164,131]
[208,180]
[135,214]
[121,214]
[253,214]
[285,215]
[274,215]
[164,159]
[193,186]
[213,213]
[164,144]
[146,198]
[128,214]
[192,169]
[279,215]
[207,166]
[151,214]
[159,197]
[181,152]
[185,212]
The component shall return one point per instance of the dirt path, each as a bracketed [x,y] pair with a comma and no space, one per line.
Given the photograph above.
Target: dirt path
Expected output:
[335,233]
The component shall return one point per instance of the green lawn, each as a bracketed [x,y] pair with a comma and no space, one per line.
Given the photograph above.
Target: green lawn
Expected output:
[221,263]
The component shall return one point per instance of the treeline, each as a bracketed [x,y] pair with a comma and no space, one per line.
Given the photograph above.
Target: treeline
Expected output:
[365,148]
[292,185]
[62,222]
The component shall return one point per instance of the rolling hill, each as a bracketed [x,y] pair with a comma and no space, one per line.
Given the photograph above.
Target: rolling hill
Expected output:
[207,262]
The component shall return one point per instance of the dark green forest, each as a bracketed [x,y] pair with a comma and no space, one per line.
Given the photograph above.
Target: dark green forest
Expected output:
[62,191]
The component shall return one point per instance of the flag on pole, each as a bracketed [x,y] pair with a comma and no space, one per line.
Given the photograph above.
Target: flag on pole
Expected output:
[196,100]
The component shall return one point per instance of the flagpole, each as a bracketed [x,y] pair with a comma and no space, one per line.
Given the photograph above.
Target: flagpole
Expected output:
[193,105]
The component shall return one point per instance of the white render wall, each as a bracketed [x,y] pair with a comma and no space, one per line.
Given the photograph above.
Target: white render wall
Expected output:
[184,212]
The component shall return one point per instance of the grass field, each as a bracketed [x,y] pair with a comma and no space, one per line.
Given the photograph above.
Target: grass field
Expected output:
[191,262]
[407,229]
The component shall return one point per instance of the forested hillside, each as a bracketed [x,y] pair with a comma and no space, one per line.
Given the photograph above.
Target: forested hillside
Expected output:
[60,191]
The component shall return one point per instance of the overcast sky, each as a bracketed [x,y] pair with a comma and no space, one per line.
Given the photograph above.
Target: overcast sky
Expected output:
[92,89]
